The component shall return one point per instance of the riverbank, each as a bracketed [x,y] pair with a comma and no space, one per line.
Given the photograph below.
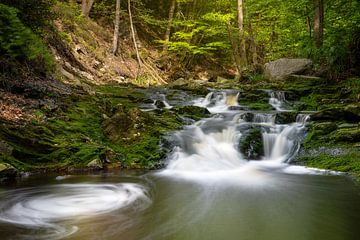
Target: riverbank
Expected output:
[83,110]
[107,129]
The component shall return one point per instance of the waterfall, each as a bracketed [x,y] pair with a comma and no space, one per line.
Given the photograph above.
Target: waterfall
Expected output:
[164,101]
[264,118]
[277,100]
[218,102]
[200,150]
[212,146]
[302,118]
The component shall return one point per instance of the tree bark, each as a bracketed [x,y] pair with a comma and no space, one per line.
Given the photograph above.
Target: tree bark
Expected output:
[116,28]
[133,37]
[86,6]
[240,12]
[319,23]
[254,47]
[235,50]
[170,21]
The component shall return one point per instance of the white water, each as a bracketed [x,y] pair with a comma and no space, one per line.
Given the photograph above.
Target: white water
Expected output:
[277,100]
[46,207]
[209,149]
[218,102]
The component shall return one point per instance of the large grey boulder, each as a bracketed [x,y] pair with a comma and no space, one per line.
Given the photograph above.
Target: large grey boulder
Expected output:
[284,67]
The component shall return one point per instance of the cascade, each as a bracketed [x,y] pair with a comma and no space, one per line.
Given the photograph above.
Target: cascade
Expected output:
[277,100]
[212,145]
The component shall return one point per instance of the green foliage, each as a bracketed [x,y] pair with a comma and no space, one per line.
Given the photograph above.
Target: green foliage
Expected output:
[18,41]
[36,14]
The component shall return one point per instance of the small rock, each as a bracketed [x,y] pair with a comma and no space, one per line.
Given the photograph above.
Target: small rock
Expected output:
[96,163]
[159,104]
[7,172]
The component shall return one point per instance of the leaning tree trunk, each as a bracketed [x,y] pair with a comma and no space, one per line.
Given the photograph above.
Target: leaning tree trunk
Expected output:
[134,38]
[240,11]
[86,6]
[116,28]
[319,23]
[170,21]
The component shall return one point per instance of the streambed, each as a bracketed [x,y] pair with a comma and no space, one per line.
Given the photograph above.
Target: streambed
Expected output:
[209,189]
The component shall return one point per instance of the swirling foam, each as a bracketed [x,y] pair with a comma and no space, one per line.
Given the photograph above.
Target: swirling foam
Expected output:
[46,207]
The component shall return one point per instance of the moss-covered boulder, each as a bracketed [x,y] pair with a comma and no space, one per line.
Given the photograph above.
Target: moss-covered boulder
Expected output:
[350,113]
[351,135]
[260,106]
[285,117]
[323,128]
[125,124]
[193,112]
[247,116]
[251,144]
[7,172]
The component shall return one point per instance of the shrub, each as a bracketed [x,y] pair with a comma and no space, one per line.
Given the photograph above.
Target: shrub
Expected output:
[18,41]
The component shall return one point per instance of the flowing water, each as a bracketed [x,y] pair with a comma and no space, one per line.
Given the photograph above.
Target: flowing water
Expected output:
[208,190]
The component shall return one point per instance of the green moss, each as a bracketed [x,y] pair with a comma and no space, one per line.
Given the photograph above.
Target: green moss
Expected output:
[349,162]
[192,112]
[251,145]
[351,135]
[259,106]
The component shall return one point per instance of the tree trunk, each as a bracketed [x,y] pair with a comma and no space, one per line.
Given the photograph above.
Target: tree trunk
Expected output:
[240,11]
[253,46]
[319,23]
[170,21]
[116,28]
[161,7]
[235,50]
[133,37]
[86,6]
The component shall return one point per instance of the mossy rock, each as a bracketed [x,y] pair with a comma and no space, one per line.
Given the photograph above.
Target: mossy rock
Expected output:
[251,144]
[159,104]
[7,172]
[260,106]
[125,125]
[193,112]
[350,135]
[318,134]
[348,114]
[285,117]
[324,128]
[248,116]
[254,96]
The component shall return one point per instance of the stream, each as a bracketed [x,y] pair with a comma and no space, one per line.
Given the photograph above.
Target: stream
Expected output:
[208,189]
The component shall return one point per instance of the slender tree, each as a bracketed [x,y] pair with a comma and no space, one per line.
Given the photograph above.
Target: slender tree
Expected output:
[170,21]
[235,50]
[116,28]
[319,23]
[86,6]
[253,45]
[240,13]
[134,37]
